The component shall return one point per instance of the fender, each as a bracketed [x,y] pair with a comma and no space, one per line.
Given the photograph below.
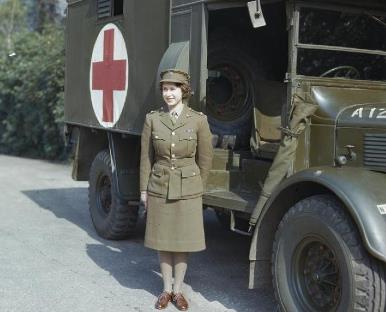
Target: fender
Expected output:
[363,193]
[124,152]
[176,56]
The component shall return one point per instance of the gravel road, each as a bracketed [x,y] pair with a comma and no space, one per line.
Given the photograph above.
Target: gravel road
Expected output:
[52,260]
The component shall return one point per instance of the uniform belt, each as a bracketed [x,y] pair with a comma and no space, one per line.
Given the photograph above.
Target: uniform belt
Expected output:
[177,163]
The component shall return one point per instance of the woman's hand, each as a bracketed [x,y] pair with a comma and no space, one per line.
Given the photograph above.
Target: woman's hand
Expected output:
[144,199]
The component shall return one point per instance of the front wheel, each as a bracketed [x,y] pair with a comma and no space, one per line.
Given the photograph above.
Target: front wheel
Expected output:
[112,217]
[319,262]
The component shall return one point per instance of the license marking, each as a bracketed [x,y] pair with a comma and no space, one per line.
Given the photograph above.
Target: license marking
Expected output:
[382,209]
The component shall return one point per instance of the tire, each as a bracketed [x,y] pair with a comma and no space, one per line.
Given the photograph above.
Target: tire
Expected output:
[232,94]
[320,264]
[112,218]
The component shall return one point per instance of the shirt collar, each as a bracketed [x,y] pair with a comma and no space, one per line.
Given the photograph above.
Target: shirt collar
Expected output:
[177,110]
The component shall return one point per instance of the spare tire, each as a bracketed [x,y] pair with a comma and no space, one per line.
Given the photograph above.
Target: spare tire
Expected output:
[231,89]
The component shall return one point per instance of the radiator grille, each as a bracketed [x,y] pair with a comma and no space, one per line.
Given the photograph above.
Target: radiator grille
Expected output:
[375,151]
[104,8]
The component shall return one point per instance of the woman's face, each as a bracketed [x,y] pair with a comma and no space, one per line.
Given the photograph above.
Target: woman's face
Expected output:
[171,93]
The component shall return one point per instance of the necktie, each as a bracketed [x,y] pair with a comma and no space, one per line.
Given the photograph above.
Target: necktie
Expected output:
[174,118]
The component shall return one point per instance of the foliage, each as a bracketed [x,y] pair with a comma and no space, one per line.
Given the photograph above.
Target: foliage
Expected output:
[31,94]
[12,20]
[42,12]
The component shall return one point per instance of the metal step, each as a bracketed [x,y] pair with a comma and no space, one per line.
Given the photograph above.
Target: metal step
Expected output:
[238,201]
[228,159]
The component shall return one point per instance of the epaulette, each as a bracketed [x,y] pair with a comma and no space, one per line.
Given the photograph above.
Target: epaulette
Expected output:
[198,113]
[157,110]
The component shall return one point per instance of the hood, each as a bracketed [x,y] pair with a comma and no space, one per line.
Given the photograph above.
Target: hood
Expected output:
[363,115]
[345,106]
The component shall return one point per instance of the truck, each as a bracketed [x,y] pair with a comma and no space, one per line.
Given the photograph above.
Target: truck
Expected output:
[295,95]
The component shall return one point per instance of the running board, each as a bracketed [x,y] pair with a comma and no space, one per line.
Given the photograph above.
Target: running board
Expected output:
[240,201]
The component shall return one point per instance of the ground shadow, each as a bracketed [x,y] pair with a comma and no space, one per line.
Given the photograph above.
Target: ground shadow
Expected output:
[220,273]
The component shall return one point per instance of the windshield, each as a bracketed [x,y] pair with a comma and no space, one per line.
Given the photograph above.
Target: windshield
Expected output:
[341,44]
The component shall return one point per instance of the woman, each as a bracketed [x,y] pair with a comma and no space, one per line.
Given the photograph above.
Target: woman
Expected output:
[176,155]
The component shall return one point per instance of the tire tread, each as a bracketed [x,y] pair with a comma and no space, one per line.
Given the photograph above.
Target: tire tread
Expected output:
[369,274]
[122,220]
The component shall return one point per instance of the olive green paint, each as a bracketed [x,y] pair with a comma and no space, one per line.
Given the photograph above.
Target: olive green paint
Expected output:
[237,177]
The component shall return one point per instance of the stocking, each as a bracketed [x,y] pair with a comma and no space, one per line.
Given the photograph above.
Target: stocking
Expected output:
[166,262]
[180,265]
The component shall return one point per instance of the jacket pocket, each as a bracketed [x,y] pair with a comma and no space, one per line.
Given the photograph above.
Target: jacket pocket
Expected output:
[157,181]
[191,183]
[158,140]
[190,141]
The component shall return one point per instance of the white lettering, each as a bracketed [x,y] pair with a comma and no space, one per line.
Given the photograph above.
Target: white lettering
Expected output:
[372,112]
[382,114]
[359,112]
[382,209]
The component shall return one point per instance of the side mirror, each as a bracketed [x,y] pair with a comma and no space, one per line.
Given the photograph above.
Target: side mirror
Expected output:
[256,14]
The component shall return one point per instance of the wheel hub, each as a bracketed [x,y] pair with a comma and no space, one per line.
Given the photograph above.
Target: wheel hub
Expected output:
[104,194]
[318,278]
[227,93]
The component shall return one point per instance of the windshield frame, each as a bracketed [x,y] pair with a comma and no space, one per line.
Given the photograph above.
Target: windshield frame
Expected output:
[296,44]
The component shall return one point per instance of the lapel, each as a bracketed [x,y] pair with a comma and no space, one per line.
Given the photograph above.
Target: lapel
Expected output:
[165,119]
[182,119]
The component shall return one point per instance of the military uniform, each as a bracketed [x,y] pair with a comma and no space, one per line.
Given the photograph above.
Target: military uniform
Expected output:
[175,160]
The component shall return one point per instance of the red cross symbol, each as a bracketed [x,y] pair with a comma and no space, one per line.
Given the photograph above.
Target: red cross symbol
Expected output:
[108,75]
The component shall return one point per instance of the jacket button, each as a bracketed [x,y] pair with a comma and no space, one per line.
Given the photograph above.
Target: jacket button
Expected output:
[173,133]
[194,173]
[173,155]
[173,145]
[172,168]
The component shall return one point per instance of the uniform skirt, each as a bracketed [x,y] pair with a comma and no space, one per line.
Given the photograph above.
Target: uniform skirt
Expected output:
[175,225]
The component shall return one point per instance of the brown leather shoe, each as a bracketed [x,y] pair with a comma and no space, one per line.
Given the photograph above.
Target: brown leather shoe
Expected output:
[163,300]
[180,302]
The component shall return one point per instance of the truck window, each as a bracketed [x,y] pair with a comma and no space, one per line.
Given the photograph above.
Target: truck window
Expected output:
[333,28]
[118,7]
[107,8]
[342,44]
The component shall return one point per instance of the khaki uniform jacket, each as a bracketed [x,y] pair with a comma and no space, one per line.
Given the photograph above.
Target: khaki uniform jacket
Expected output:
[175,159]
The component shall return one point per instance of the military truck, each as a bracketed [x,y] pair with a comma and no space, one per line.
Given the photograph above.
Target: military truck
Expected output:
[295,94]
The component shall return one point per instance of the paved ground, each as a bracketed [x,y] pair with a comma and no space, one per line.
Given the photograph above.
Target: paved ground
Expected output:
[52,260]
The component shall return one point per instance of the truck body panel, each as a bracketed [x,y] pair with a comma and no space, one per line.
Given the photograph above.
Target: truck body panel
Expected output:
[145,44]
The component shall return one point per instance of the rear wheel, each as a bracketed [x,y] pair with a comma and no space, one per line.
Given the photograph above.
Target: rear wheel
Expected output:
[112,217]
[319,262]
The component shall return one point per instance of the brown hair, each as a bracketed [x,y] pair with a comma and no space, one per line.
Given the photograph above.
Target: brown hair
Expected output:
[186,90]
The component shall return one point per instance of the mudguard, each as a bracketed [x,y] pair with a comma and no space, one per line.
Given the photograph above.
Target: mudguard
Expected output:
[124,151]
[176,56]
[363,193]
